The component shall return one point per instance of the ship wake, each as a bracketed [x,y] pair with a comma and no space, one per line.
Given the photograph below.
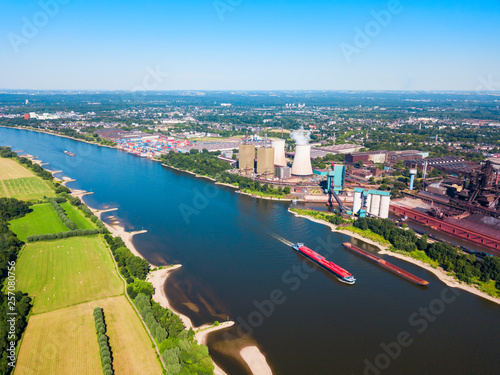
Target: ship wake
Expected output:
[283,240]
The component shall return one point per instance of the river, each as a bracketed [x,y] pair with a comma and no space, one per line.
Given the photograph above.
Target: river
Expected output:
[304,320]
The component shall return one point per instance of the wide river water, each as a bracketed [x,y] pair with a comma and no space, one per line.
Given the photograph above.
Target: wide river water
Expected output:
[234,265]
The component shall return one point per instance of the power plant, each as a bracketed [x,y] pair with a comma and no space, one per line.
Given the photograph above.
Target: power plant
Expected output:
[302,162]
[246,158]
[265,161]
[279,152]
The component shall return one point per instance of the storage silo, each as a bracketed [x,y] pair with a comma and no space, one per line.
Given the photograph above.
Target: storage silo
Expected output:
[357,201]
[279,152]
[265,161]
[302,162]
[375,204]
[246,158]
[384,206]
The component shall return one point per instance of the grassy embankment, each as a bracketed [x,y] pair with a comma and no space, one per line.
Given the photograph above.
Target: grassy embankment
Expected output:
[67,278]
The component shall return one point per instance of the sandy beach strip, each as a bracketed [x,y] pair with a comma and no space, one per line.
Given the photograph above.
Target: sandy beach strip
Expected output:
[256,361]
[383,250]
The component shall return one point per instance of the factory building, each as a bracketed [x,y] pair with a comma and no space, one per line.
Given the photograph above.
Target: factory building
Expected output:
[282,172]
[365,157]
[371,202]
[246,158]
[265,161]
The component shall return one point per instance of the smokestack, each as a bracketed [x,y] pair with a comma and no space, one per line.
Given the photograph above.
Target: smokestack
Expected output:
[279,152]
[302,162]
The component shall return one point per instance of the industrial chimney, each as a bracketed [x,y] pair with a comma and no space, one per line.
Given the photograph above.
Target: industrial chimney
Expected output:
[302,162]
[279,152]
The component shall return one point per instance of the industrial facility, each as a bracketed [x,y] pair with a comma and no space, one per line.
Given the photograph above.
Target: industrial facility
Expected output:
[372,202]
[302,162]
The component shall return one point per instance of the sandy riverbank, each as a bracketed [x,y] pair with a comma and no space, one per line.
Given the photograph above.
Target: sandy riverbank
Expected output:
[383,250]
[256,361]
[251,355]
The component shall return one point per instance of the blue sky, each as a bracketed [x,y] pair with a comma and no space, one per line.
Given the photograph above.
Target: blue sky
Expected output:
[250,45]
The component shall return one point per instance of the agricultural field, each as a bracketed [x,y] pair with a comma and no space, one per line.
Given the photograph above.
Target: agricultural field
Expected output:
[60,342]
[77,217]
[65,272]
[131,346]
[27,188]
[43,220]
[65,342]
[9,170]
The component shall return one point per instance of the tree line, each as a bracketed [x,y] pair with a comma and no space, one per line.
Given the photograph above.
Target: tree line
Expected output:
[103,340]
[10,246]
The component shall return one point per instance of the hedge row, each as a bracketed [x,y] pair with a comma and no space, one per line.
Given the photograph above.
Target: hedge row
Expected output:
[103,339]
[62,215]
[71,233]
[88,213]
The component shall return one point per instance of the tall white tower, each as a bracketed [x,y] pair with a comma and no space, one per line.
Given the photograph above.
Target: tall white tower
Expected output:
[302,162]
[279,152]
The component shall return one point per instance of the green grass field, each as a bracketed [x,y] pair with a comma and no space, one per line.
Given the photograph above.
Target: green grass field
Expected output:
[77,217]
[43,220]
[65,272]
[28,188]
[9,169]
[65,342]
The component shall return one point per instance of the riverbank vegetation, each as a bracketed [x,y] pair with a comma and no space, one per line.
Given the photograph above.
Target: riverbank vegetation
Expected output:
[320,215]
[466,268]
[180,352]
[207,164]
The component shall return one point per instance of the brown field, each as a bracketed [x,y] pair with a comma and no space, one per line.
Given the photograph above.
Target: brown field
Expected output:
[65,342]
[9,170]
[60,342]
[133,351]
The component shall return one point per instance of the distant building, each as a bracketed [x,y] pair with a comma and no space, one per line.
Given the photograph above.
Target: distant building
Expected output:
[370,156]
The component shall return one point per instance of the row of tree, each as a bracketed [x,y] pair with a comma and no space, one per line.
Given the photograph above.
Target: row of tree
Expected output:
[179,350]
[62,215]
[103,340]
[61,235]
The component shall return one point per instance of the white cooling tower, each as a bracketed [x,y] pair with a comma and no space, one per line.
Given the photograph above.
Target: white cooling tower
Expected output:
[279,152]
[302,162]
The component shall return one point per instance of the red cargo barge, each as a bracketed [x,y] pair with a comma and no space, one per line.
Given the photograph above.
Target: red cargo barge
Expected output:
[341,273]
[388,266]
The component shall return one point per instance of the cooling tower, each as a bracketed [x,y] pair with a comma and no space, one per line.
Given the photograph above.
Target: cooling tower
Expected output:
[279,152]
[302,162]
